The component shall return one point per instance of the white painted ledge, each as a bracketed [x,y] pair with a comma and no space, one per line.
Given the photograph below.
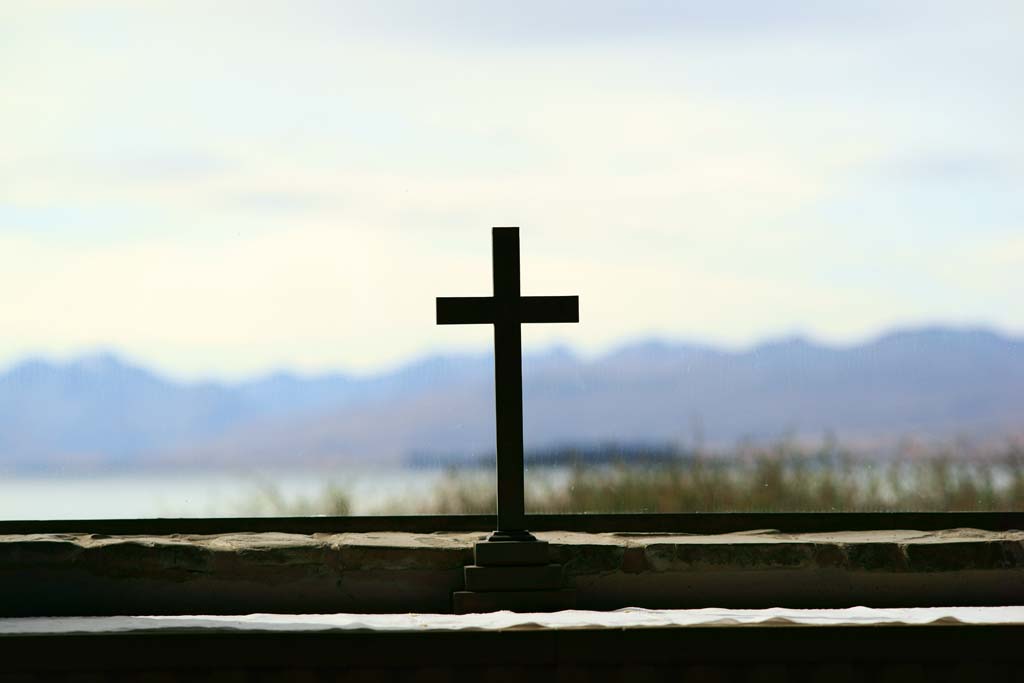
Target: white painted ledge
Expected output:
[629,618]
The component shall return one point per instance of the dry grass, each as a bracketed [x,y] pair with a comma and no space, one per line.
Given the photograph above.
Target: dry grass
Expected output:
[268,501]
[781,478]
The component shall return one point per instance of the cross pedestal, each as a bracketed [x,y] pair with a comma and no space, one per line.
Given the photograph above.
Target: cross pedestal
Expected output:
[512,568]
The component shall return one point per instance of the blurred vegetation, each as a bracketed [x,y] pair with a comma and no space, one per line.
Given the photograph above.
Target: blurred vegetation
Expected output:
[781,478]
[268,501]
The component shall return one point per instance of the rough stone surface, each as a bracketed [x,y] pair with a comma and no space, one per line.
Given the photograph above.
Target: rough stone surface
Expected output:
[68,574]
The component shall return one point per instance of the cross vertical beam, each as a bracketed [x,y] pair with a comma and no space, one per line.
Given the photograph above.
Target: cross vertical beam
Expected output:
[507,310]
[508,380]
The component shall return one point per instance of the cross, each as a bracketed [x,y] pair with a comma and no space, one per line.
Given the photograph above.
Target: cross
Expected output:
[507,310]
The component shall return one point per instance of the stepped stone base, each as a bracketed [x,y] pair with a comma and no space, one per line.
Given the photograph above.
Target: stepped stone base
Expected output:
[511,575]
[497,553]
[524,578]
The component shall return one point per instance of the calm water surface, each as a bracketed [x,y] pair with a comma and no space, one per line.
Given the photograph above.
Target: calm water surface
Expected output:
[205,494]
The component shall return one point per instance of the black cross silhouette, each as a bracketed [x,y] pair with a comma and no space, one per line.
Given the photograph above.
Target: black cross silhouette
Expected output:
[507,310]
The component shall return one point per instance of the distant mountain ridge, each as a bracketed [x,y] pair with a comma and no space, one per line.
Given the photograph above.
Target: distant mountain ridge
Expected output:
[933,382]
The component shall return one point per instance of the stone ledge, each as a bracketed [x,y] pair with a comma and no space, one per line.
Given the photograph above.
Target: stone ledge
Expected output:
[71,574]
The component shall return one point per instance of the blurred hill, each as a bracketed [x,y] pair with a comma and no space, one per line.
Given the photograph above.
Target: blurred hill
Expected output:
[930,383]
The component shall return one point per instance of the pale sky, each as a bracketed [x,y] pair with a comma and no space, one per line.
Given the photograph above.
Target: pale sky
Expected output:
[223,189]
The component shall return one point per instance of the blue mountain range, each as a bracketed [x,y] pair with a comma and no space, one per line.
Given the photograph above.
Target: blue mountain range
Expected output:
[930,383]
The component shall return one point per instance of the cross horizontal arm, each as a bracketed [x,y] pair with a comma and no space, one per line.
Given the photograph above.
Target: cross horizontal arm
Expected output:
[465,310]
[550,309]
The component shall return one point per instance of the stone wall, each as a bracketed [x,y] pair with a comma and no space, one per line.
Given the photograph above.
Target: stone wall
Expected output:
[81,574]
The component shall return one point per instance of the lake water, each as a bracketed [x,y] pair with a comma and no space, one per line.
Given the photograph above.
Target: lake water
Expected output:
[369,491]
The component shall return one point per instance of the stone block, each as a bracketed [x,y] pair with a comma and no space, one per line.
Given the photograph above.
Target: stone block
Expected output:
[511,553]
[523,578]
[959,556]
[468,602]
[699,556]
[588,558]
[882,556]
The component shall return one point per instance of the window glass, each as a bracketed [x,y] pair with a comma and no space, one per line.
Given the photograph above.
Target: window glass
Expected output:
[796,230]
